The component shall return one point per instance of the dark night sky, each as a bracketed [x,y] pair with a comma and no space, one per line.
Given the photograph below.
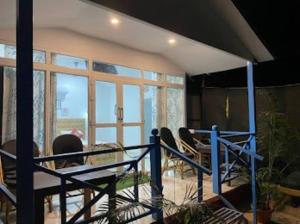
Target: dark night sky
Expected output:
[277,24]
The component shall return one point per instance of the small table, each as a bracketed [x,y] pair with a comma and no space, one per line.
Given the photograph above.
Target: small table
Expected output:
[46,185]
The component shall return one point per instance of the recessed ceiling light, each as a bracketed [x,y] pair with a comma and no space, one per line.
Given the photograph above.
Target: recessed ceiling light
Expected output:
[172,41]
[114,21]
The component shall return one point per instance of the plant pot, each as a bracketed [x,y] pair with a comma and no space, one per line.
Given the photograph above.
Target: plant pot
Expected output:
[264,216]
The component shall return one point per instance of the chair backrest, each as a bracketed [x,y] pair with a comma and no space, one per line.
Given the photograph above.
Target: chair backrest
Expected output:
[186,136]
[67,143]
[11,147]
[168,138]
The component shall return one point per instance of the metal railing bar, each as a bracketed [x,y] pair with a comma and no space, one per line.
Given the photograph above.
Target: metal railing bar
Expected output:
[237,155]
[237,147]
[8,155]
[88,153]
[71,179]
[92,202]
[234,135]
[8,194]
[89,204]
[91,220]
[223,132]
[187,160]
[98,168]
[143,155]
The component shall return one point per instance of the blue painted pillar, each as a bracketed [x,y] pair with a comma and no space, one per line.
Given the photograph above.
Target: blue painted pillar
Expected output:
[156,179]
[24,122]
[215,160]
[252,130]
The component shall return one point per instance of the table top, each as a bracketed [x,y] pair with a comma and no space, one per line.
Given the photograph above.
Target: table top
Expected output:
[48,184]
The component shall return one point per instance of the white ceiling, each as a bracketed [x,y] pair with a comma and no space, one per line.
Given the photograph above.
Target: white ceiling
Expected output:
[80,16]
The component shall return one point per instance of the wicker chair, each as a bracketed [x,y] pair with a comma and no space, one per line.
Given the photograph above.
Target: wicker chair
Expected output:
[201,150]
[168,139]
[8,169]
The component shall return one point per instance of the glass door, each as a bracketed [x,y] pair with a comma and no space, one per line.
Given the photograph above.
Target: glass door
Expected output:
[131,118]
[118,115]
[107,112]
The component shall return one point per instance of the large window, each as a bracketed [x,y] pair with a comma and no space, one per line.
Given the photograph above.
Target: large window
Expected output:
[9,106]
[124,110]
[70,113]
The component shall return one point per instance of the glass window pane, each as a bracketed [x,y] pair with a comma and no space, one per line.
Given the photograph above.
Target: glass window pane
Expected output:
[69,61]
[175,109]
[106,102]
[131,103]
[9,106]
[175,79]
[39,56]
[116,69]
[71,105]
[152,109]
[10,52]
[153,76]
[132,136]
[106,135]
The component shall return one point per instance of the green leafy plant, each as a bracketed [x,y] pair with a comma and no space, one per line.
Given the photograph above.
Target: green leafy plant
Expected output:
[189,211]
[277,140]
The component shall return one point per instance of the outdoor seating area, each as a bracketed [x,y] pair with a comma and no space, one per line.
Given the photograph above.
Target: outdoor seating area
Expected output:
[128,112]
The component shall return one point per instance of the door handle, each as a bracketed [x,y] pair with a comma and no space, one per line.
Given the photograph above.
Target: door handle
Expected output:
[118,112]
[121,114]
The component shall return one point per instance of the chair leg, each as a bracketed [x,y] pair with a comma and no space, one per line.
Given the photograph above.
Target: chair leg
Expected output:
[181,169]
[50,204]
[165,166]
[193,169]
[7,209]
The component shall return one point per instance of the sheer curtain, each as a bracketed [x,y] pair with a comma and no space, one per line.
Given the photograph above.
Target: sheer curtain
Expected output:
[9,106]
[175,109]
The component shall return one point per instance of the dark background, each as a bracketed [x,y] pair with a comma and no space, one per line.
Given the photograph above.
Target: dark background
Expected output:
[277,24]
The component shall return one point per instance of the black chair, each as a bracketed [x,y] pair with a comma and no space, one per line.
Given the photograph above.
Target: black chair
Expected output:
[9,171]
[67,144]
[168,139]
[202,151]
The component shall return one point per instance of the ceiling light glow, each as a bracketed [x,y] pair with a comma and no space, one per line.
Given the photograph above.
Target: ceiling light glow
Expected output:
[172,41]
[114,21]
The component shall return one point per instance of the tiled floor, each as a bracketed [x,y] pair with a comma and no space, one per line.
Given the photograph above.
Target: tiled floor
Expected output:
[174,189]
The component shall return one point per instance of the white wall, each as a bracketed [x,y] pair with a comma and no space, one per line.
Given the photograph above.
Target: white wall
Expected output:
[69,42]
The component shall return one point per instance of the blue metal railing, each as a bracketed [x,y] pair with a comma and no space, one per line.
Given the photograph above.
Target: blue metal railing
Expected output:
[156,178]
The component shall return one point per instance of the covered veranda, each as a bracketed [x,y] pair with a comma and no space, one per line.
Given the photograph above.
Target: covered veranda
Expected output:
[111,79]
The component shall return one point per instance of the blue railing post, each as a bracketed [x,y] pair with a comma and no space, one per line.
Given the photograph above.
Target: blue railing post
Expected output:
[156,180]
[252,130]
[215,160]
